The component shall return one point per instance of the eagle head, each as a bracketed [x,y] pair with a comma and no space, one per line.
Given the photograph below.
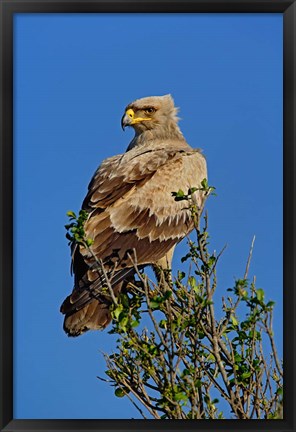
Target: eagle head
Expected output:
[149,113]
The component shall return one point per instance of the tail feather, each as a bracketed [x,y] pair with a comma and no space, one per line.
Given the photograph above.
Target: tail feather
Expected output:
[87,308]
[80,297]
[94,316]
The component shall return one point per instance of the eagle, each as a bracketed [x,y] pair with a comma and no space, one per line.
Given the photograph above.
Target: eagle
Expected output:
[132,215]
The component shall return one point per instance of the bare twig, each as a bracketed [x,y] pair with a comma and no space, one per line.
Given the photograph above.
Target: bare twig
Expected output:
[249,258]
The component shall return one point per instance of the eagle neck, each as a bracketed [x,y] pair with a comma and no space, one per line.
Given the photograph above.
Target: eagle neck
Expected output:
[150,136]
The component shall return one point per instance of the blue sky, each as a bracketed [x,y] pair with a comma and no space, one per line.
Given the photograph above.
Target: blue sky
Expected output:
[73,76]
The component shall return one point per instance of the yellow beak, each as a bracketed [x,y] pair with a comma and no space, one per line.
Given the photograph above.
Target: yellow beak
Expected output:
[129,119]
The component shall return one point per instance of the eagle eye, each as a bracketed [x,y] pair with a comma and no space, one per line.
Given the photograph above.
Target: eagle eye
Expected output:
[149,110]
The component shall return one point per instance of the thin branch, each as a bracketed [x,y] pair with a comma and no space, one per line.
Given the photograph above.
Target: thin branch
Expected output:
[249,258]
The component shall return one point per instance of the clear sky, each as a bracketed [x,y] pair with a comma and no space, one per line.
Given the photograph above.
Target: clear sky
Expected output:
[73,76]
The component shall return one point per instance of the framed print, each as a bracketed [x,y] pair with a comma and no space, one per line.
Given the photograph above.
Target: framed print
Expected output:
[147,274]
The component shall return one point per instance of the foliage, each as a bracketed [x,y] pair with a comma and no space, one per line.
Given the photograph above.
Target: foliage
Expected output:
[180,352]
[75,229]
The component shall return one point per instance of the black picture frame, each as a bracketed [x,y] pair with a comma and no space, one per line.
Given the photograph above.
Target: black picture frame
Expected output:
[7,9]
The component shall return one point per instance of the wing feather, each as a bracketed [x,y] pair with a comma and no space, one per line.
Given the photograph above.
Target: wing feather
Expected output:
[132,213]
[142,208]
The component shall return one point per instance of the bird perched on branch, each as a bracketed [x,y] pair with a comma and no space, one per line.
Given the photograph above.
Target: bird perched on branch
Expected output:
[131,213]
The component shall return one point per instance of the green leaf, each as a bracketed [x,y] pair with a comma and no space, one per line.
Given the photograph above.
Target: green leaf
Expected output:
[124,300]
[181,275]
[260,294]
[167,294]
[192,281]
[180,193]
[204,183]
[163,324]
[123,322]
[234,320]
[211,261]
[179,196]
[211,357]
[180,396]
[237,358]
[119,393]
[71,214]
[192,190]
[117,311]
[245,375]
[185,258]
[154,304]
[153,349]
[68,226]
[135,323]
[198,383]
[270,304]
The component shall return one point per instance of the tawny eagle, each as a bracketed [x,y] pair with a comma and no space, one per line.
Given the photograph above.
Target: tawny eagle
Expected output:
[131,210]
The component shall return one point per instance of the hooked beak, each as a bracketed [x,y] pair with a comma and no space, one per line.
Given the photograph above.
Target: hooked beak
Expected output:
[128,118]
[125,121]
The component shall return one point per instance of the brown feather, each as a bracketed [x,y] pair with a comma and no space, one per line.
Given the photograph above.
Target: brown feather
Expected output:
[131,208]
